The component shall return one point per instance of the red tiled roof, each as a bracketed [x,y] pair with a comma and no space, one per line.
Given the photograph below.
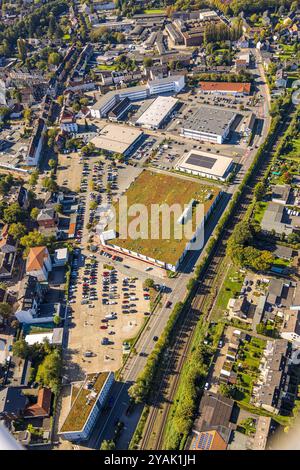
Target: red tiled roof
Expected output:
[208,440]
[42,407]
[225,86]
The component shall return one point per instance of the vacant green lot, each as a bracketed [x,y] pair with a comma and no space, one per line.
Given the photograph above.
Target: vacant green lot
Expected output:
[152,189]
[259,211]
[156,11]
[106,67]
[231,287]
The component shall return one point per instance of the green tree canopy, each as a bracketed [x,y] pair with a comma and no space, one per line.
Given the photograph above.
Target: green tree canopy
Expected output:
[34,238]
[17,230]
[13,213]
[21,349]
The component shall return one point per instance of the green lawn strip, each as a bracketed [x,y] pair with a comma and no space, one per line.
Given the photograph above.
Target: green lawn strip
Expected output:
[192,379]
[232,286]
[138,433]
[106,67]
[154,11]
[259,211]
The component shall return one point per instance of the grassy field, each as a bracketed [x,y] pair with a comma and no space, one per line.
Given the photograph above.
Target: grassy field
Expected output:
[259,211]
[149,189]
[106,67]
[232,286]
[155,11]
[295,152]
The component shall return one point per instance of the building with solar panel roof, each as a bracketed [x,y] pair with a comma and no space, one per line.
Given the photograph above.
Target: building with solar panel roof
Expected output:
[206,164]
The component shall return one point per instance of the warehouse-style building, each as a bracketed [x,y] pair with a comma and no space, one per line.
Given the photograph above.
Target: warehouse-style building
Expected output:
[206,164]
[157,112]
[118,139]
[209,124]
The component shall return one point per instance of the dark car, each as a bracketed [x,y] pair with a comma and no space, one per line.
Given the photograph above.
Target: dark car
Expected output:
[155,338]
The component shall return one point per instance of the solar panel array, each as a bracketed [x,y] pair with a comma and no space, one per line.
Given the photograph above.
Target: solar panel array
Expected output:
[201,160]
[205,441]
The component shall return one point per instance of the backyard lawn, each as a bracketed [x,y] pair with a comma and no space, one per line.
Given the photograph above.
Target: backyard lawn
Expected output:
[250,354]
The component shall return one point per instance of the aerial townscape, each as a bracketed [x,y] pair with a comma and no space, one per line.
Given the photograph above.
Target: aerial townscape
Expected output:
[150,225]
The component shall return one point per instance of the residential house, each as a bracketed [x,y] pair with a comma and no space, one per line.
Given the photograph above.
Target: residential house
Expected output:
[7,263]
[67,121]
[262,430]
[291,327]
[208,440]
[41,409]
[38,263]
[29,305]
[280,193]
[30,296]
[8,253]
[213,428]
[280,79]
[271,391]
[47,218]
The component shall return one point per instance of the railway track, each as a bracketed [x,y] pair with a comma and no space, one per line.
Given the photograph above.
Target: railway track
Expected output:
[210,277]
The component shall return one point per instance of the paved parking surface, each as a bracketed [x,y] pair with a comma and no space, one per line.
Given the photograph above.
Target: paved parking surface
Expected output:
[119,319]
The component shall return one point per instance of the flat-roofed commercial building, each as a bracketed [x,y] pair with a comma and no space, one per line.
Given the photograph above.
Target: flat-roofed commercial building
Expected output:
[171,84]
[206,164]
[117,139]
[152,189]
[86,402]
[174,83]
[209,124]
[225,88]
[157,112]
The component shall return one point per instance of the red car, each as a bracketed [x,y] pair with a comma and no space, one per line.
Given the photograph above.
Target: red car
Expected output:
[103,327]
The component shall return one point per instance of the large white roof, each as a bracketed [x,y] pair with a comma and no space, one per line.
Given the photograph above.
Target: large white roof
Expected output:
[157,111]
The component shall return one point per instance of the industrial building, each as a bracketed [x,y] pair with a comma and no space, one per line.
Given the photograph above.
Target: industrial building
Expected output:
[117,139]
[206,164]
[209,124]
[172,84]
[157,112]
[152,189]
[87,400]
[119,109]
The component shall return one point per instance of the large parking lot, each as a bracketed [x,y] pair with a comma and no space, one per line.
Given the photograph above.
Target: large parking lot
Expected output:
[106,309]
